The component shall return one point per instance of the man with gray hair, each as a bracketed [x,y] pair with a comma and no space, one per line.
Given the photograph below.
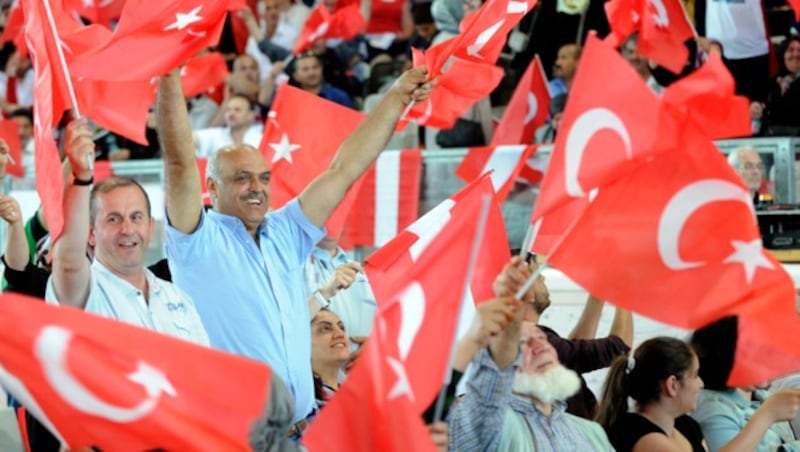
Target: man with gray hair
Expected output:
[747,162]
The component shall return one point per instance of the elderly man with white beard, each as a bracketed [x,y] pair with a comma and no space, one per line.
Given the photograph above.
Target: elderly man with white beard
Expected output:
[515,396]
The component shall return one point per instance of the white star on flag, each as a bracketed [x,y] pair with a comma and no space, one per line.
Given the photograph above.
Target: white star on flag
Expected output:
[402,386]
[183,20]
[283,149]
[750,255]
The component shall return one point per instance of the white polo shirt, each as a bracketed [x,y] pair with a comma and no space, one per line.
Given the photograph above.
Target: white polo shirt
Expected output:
[210,140]
[170,311]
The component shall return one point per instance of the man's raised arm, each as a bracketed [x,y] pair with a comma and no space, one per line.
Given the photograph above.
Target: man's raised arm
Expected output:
[362,147]
[71,271]
[181,179]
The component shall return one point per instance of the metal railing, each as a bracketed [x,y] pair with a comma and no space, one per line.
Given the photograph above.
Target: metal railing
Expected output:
[780,155]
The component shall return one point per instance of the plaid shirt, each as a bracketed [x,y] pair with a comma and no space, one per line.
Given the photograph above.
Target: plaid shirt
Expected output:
[476,421]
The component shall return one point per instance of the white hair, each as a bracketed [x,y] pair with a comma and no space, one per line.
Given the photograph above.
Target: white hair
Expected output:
[735,155]
[556,383]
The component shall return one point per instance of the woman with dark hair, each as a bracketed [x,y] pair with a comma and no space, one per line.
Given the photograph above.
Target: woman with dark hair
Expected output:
[780,115]
[736,419]
[662,378]
[330,350]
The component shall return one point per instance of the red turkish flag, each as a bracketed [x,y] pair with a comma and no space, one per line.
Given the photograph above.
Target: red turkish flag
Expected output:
[374,392]
[178,29]
[505,163]
[406,274]
[10,133]
[89,383]
[13,29]
[388,200]
[202,163]
[455,92]
[663,28]
[483,34]
[101,12]
[48,105]
[612,125]
[297,156]
[708,98]
[684,220]
[796,7]
[344,23]
[767,345]
[623,19]
[202,73]
[120,107]
[549,229]
[492,254]
[102,170]
[527,110]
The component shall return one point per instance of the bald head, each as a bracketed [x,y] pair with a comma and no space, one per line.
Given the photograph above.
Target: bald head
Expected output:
[567,62]
[247,66]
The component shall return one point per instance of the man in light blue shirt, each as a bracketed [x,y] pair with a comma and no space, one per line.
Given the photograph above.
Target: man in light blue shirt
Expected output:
[242,266]
[564,69]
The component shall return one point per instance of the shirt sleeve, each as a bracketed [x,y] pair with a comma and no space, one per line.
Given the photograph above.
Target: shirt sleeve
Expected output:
[720,426]
[31,281]
[291,230]
[587,355]
[476,420]
[182,247]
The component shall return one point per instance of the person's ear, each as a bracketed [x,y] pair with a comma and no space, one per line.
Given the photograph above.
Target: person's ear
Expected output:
[671,386]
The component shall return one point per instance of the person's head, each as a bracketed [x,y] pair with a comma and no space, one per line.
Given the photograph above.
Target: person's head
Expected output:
[271,13]
[791,53]
[715,346]
[423,20]
[330,346]
[747,162]
[308,71]
[629,51]
[541,376]
[237,177]
[239,113]
[663,372]
[23,117]
[247,66]
[121,226]
[567,61]
[447,14]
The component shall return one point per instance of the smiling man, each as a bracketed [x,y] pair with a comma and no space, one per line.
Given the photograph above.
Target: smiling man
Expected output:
[113,217]
[244,266]
[515,398]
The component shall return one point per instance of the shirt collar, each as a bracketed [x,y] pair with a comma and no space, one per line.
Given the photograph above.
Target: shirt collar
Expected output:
[153,284]
[525,405]
[233,222]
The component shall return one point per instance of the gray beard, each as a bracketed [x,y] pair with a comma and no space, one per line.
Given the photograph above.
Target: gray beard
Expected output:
[557,383]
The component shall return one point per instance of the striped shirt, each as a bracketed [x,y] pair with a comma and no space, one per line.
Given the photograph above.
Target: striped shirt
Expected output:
[476,421]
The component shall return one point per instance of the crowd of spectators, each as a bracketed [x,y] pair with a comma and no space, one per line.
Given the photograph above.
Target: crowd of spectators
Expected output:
[287,295]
